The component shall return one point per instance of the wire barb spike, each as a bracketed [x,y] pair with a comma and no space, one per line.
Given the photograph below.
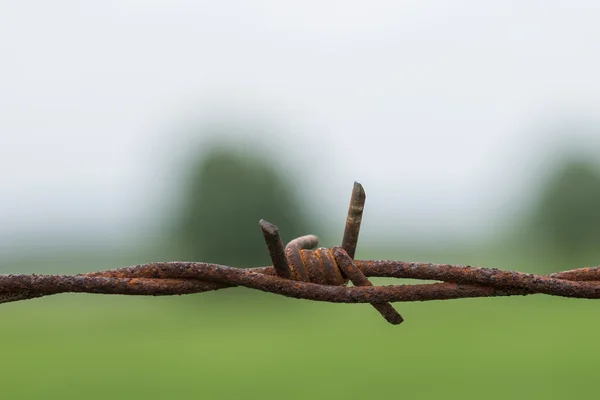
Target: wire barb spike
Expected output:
[319,275]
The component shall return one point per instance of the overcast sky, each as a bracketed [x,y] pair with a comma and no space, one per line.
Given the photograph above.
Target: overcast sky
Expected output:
[439,108]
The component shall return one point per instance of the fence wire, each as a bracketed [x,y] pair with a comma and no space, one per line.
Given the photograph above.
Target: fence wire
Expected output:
[318,275]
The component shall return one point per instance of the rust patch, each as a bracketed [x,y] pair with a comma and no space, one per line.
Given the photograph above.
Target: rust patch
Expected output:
[319,275]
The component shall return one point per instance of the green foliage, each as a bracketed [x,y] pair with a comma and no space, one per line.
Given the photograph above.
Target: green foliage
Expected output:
[88,347]
[228,193]
[567,214]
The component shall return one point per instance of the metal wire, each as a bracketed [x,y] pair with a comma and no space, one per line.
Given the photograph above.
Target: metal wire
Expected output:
[319,275]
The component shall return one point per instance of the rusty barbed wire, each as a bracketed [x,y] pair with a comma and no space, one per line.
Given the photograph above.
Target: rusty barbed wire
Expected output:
[318,275]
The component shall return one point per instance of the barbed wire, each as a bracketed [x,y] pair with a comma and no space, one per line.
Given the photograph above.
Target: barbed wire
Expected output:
[318,275]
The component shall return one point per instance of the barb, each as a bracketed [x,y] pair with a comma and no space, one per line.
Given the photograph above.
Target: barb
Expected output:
[319,275]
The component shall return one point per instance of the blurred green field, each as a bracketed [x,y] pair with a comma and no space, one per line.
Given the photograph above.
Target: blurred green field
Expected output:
[215,346]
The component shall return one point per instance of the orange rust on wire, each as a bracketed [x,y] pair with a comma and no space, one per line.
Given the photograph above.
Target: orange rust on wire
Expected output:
[165,278]
[316,266]
[326,259]
[276,250]
[349,243]
[299,263]
[294,256]
[357,277]
[354,219]
[318,275]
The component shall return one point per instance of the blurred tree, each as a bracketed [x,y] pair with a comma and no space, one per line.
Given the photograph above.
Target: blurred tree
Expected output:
[228,193]
[567,213]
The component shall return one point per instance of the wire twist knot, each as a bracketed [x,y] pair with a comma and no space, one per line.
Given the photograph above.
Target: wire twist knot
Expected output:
[323,266]
[319,275]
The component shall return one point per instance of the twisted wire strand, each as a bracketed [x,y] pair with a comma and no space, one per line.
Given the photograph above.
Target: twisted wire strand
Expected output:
[319,275]
[177,278]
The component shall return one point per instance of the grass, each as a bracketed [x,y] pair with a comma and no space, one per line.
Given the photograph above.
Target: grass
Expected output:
[215,346]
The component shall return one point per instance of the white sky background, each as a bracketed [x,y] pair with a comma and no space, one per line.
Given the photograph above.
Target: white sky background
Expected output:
[441,109]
